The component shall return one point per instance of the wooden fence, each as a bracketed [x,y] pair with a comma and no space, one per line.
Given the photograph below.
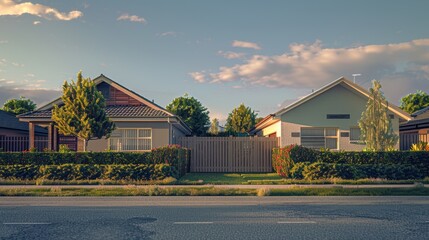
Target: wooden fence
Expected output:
[230,154]
[408,139]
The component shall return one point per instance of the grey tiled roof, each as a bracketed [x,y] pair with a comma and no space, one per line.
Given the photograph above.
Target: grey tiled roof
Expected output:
[112,111]
[134,111]
[10,121]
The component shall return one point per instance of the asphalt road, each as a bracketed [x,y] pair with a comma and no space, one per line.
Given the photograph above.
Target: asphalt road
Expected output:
[215,218]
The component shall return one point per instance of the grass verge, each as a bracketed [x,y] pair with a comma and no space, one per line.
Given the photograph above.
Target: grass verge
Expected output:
[41,182]
[274,179]
[211,191]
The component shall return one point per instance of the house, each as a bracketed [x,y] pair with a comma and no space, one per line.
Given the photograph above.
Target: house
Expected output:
[326,118]
[10,126]
[415,130]
[14,134]
[140,124]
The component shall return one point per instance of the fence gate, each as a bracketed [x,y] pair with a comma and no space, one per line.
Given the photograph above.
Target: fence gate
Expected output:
[408,139]
[230,154]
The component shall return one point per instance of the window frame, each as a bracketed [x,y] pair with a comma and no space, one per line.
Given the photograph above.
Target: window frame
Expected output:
[325,136]
[136,138]
[360,141]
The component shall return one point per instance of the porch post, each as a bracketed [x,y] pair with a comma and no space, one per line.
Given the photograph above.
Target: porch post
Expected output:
[31,135]
[50,137]
[55,138]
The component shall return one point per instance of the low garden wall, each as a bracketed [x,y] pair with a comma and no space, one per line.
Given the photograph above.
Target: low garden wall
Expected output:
[160,163]
[302,163]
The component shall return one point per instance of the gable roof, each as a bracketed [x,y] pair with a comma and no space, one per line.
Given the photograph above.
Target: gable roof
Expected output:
[10,121]
[340,81]
[353,86]
[147,109]
[420,112]
[118,86]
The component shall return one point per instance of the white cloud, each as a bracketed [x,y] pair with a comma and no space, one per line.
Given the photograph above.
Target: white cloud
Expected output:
[166,34]
[36,22]
[231,55]
[131,18]
[312,65]
[198,76]
[243,44]
[11,8]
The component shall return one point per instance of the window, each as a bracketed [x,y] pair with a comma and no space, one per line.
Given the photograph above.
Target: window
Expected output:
[355,134]
[338,116]
[129,139]
[317,138]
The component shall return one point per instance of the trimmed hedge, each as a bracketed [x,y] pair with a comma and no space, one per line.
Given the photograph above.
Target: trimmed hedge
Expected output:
[300,162]
[319,170]
[55,158]
[92,165]
[88,172]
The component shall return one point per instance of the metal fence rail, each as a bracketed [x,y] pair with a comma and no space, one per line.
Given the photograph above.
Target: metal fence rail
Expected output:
[230,154]
[20,143]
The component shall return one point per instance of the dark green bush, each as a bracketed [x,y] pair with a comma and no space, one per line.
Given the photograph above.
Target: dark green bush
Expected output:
[55,158]
[173,155]
[302,154]
[413,159]
[321,170]
[297,170]
[88,172]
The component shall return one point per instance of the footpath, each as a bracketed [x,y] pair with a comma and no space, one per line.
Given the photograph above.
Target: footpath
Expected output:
[286,186]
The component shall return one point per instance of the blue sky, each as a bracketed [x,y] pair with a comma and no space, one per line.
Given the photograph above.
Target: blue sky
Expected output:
[261,53]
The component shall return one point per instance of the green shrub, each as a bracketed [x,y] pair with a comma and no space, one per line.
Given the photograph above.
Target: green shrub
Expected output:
[56,158]
[302,154]
[88,172]
[321,170]
[282,161]
[297,170]
[173,155]
[410,160]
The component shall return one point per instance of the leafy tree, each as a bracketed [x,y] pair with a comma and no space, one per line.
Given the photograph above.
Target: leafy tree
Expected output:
[192,112]
[415,101]
[19,106]
[375,124]
[214,127]
[241,119]
[83,113]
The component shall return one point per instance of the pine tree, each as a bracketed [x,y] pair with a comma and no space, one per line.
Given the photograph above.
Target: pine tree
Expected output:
[214,127]
[375,124]
[83,111]
[241,120]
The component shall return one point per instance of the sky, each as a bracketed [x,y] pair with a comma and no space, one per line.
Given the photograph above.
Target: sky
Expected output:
[264,54]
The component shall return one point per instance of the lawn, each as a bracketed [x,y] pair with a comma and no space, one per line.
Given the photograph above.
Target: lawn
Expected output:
[273,178]
[227,178]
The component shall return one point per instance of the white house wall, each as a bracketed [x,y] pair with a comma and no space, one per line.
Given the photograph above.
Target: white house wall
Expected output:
[273,128]
[338,100]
